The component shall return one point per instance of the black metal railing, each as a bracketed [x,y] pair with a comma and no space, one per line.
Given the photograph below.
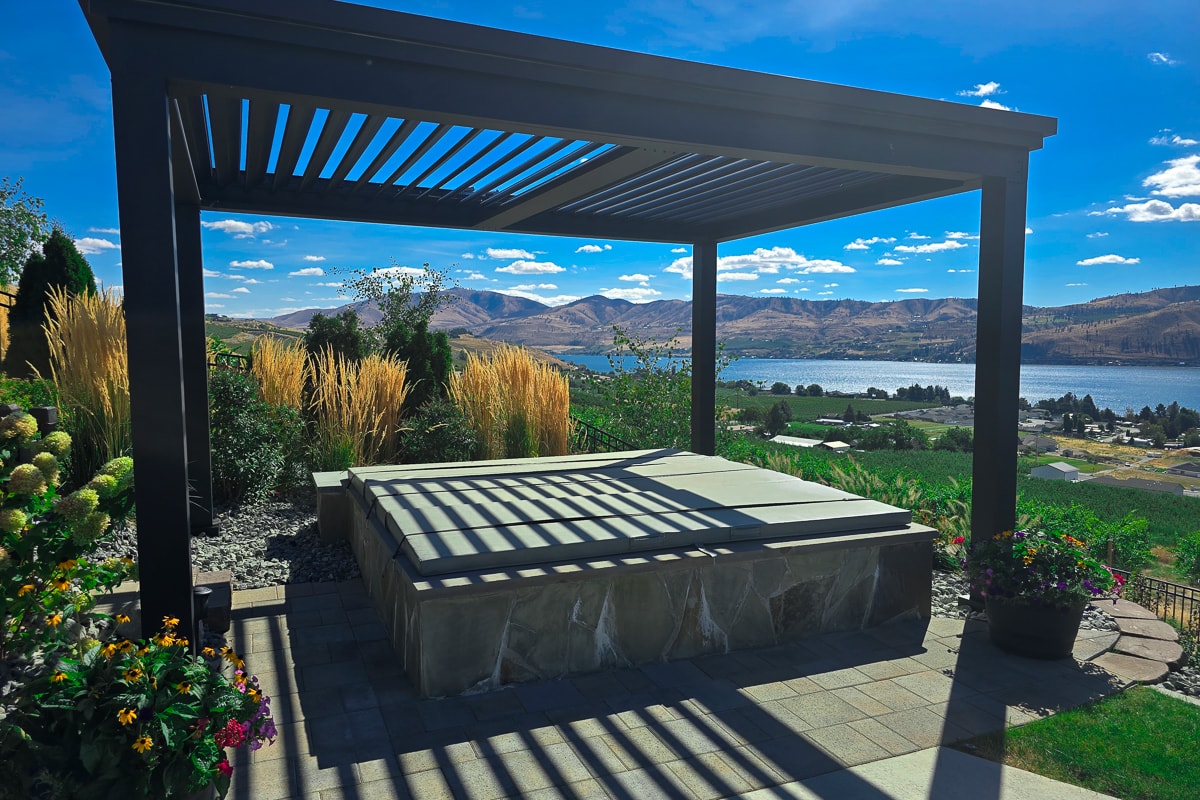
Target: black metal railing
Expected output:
[587,438]
[234,360]
[1172,602]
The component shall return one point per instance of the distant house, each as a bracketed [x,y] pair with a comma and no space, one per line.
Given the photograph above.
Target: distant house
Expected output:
[1138,483]
[1058,471]
[1188,468]
[830,421]
[1040,444]
[795,441]
[837,447]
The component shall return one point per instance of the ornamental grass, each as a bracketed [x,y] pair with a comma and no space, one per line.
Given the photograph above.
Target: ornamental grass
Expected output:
[517,407]
[90,368]
[356,408]
[279,368]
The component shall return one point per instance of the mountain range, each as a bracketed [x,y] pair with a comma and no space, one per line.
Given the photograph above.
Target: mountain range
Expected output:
[1156,327]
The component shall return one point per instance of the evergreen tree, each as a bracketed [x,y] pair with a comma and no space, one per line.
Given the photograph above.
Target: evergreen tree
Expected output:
[59,264]
[340,332]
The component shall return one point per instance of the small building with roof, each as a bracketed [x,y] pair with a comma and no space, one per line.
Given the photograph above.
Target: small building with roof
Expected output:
[1057,471]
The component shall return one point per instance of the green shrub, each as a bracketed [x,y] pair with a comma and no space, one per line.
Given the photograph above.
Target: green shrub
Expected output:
[27,393]
[248,453]
[438,431]
[1187,556]
[428,356]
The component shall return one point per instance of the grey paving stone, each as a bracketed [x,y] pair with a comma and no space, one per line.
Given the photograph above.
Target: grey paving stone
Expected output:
[494,705]
[1088,649]
[923,727]
[1169,653]
[447,713]
[1132,668]
[836,679]
[480,779]
[674,674]
[892,668]
[847,745]
[764,692]
[795,759]
[1150,628]
[589,789]
[821,709]
[863,702]
[709,776]
[688,737]
[932,687]
[1126,608]
[719,695]
[429,785]
[775,718]
[598,685]
[883,736]
[549,695]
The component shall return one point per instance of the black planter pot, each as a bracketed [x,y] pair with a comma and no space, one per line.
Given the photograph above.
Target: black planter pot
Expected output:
[1033,631]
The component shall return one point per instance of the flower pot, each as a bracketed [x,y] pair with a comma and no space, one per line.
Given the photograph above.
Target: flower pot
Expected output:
[1033,631]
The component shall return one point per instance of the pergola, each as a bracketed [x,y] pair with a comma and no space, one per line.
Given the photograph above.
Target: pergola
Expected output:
[321,109]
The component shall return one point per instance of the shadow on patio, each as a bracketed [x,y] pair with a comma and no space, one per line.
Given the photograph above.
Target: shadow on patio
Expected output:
[714,726]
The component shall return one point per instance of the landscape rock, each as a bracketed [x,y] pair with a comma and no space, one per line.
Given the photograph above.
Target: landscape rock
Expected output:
[1169,653]
[1132,668]
[1149,628]
[1127,609]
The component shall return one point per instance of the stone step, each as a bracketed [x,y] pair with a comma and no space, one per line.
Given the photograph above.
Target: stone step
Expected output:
[1087,648]
[1169,653]
[1132,668]
[1148,628]
[1125,609]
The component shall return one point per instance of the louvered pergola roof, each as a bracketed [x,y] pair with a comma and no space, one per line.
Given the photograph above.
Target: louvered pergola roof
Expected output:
[314,108]
[325,109]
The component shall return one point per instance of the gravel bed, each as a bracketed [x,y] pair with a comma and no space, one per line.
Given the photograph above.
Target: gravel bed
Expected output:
[949,586]
[263,544]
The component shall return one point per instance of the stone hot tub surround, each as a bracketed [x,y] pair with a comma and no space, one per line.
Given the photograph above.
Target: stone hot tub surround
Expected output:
[488,573]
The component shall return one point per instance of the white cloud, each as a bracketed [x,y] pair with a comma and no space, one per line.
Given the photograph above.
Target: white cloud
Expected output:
[330,284]
[314,258]
[824,293]
[960,235]
[863,244]
[529,287]
[995,105]
[1111,258]
[239,230]
[634,294]
[467,256]
[591,248]
[736,276]
[1181,178]
[289,300]
[1097,235]
[913,291]
[915,235]
[772,291]
[1162,139]
[557,300]
[982,90]
[1155,211]
[1076,284]
[765,262]
[1162,58]
[637,277]
[506,254]
[208,273]
[960,271]
[218,295]
[932,247]
[679,249]
[245,281]
[117,231]
[214,305]
[789,280]
[830,286]
[258,264]
[524,267]
[475,276]
[888,262]
[241,290]
[1028,231]
[307,272]
[90,246]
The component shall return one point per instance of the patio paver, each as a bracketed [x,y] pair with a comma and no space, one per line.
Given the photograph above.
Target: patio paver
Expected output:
[352,728]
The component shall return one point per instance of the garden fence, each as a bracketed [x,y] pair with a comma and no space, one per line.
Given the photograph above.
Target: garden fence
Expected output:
[1172,602]
[234,360]
[587,438]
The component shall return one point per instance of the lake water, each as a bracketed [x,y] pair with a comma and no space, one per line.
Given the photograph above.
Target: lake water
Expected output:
[1110,387]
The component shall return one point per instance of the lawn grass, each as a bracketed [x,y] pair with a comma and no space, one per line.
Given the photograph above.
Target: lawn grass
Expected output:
[1137,745]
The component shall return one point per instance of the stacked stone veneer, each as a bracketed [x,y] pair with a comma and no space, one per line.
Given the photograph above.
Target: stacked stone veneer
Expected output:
[484,629]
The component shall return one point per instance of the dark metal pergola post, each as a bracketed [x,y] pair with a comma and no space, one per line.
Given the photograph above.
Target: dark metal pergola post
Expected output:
[704,347]
[195,365]
[152,318]
[998,354]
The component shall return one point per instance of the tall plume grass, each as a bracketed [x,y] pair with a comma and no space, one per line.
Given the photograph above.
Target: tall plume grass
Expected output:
[356,408]
[90,368]
[4,323]
[517,407]
[280,368]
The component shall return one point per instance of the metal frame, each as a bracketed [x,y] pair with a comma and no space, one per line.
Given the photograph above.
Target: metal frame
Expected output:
[313,108]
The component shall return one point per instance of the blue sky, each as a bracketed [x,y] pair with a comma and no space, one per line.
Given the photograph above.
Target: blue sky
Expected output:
[1114,200]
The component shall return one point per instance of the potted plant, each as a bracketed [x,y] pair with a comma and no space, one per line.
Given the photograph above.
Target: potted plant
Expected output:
[1035,586]
[84,711]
